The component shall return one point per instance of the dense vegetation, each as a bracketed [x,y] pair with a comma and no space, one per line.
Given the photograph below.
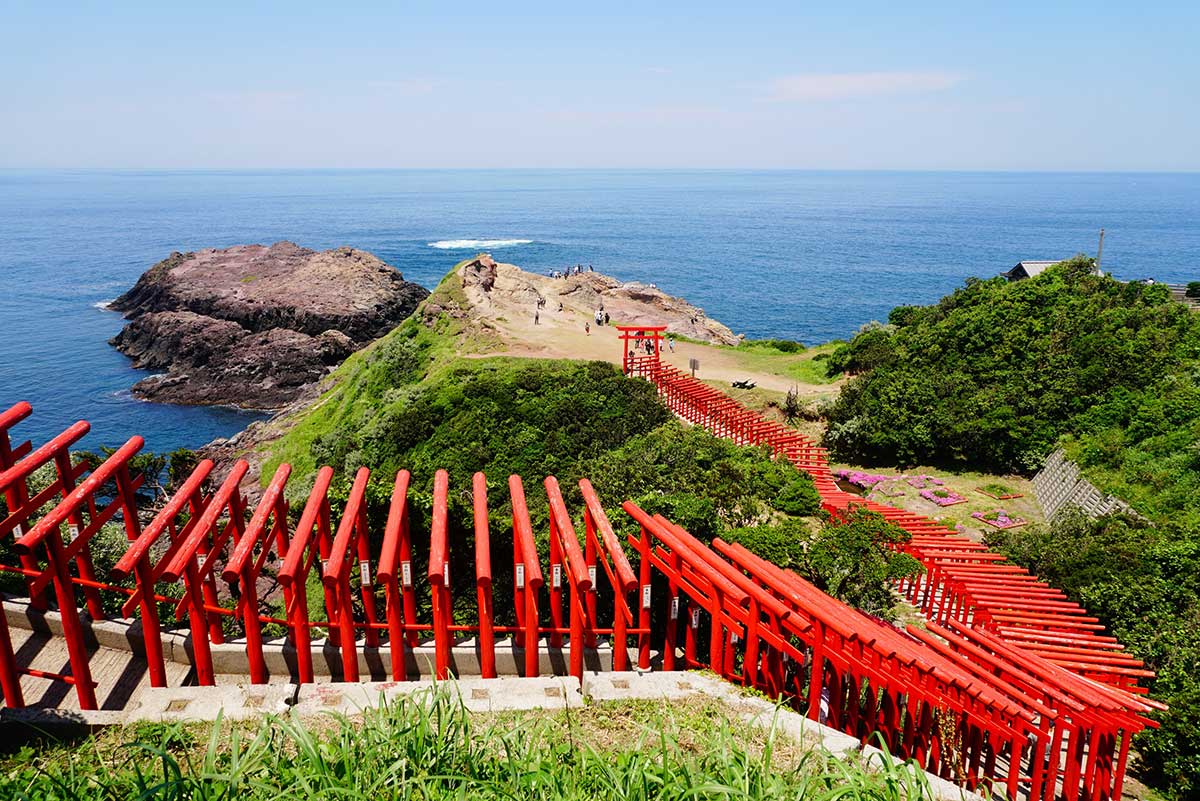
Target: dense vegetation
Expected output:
[576,420]
[996,375]
[851,559]
[993,375]
[430,748]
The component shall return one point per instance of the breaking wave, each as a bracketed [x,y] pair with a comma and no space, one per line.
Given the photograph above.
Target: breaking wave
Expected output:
[465,244]
[103,305]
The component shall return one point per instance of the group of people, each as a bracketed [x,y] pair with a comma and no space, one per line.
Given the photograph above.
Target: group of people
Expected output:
[576,270]
[643,342]
[600,316]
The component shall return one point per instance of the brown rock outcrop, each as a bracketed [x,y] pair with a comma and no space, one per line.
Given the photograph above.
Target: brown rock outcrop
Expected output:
[255,326]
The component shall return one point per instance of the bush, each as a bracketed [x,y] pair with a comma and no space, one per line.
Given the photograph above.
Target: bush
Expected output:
[1193,289]
[781,345]
[994,374]
[852,559]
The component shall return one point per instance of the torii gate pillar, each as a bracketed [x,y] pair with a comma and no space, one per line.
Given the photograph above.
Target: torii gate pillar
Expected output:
[634,337]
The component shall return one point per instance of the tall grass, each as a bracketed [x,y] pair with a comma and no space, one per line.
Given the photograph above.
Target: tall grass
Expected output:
[430,748]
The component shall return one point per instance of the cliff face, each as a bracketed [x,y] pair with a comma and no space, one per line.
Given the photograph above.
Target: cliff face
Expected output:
[256,326]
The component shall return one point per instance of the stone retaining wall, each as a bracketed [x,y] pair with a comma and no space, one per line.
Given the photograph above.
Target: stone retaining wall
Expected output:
[1059,485]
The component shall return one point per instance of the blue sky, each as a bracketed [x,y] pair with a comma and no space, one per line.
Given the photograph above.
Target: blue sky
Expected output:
[1008,86]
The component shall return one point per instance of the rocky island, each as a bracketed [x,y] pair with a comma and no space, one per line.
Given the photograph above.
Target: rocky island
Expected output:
[256,326]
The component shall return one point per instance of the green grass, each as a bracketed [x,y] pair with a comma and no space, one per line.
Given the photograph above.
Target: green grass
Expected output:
[766,356]
[430,748]
[369,378]
[964,482]
[802,366]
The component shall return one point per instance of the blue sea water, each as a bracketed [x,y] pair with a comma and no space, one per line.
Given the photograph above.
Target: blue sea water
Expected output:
[802,255]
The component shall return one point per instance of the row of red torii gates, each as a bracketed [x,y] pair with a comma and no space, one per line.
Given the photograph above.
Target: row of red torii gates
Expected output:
[1010,684]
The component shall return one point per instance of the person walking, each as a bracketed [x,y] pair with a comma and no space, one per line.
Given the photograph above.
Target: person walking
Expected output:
[606,318]
[587,328]
[671,344]
[536,317]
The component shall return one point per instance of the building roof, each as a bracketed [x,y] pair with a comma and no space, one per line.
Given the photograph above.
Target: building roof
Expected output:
[1028,269]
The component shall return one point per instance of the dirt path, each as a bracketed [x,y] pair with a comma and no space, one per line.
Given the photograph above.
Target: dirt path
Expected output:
[510,308]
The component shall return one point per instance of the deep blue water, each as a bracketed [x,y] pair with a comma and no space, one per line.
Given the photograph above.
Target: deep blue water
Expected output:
[802,255]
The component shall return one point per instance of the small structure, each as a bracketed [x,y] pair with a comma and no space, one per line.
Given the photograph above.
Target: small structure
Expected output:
[634,338]
[1028,269]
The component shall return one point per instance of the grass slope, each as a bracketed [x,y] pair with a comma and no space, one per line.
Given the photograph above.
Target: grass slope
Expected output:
[430,748]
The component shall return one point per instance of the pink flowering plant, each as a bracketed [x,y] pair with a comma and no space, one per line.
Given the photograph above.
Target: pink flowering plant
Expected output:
[924,482]
[942,496]
[998,518]
[860,478]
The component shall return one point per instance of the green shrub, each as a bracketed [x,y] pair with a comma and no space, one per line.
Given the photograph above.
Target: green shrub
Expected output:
[994,374]
[780,345]
[852,559]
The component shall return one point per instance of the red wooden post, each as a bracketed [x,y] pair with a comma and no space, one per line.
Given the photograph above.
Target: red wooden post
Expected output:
[136,562]
[575,569]
[644,602]
[389,559]
[556,579]
[529,573]
[337,577]
[297,563]
[439,576]
[242,570]
[483,578]
[590,549]
[366,586]
[325,551]
[621,574]
[10,682]
[75,524]
[668,655]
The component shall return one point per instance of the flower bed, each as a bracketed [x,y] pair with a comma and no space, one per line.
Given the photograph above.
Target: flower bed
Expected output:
[859,478]
[999,492]
[923,482]
[942,496]
[998,519]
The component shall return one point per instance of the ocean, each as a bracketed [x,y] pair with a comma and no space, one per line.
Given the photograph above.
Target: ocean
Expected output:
[810,256]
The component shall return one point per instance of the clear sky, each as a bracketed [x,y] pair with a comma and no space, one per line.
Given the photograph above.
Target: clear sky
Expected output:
[958,85]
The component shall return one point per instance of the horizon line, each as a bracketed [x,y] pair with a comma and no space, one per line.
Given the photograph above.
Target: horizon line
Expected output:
[971,170]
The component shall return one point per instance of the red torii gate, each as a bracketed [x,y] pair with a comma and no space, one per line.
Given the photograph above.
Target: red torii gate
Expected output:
[1009,684]
[638,334]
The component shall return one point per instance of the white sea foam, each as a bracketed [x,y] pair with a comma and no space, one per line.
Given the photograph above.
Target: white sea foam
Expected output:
[103,305]
[475,244]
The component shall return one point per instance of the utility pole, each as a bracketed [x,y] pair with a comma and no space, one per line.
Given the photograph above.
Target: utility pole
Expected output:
[1100,250]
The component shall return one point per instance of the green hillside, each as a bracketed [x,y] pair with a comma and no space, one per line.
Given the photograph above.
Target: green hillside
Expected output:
[996,375]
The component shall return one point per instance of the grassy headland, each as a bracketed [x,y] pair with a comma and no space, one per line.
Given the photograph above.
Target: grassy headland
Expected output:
[430,395]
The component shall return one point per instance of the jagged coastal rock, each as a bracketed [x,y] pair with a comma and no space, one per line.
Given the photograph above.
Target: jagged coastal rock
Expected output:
[256,326]
[495,290]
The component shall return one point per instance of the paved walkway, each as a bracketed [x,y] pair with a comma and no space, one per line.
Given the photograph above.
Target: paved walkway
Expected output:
[119,675]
